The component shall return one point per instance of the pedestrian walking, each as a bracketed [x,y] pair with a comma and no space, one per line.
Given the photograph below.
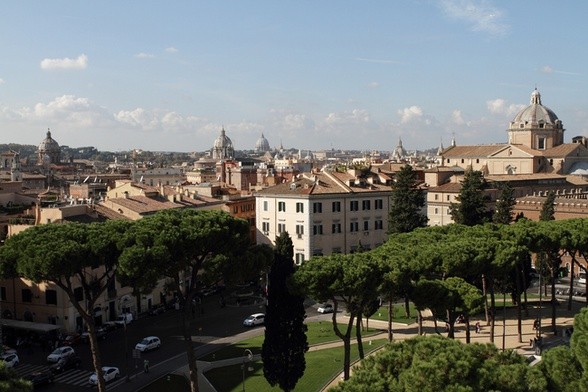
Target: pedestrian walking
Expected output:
[146,366]
[478,327]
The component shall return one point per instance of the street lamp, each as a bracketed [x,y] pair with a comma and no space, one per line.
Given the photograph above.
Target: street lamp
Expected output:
[122,303]
[247,354]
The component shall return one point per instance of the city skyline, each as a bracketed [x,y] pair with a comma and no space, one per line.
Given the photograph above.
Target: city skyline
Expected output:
[312,75]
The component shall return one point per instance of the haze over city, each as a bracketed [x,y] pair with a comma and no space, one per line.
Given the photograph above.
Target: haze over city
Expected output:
[167,76]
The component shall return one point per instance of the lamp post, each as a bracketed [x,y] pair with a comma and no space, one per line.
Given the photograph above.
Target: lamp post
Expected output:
[247,354]
[122,304]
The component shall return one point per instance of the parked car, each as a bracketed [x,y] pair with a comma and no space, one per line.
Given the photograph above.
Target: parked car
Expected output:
[40,378]
[148,343]
[125,318]
[100,334]
[60,352]
[8,350]
[66,363]
[254,319]
[157,310]
[110,373]
[325,308]
[72,339]
[582,278]
[10,360]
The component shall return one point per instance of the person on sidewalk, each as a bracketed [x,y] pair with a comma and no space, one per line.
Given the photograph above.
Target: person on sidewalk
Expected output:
[478,328]
[146,366]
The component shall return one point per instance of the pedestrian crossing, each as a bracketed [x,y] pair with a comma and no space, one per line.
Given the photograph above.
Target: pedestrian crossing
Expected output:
[75,377]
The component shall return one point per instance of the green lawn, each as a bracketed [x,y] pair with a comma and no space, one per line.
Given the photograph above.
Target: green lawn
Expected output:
[321,367]
[318,332]
[399,314]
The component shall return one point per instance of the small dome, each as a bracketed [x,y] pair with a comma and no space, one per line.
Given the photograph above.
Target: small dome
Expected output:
[262,145]
[48,144]
[536,113]
[223,147]
[223,141]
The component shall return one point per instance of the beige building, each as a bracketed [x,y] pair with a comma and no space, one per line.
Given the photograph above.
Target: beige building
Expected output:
[325,212]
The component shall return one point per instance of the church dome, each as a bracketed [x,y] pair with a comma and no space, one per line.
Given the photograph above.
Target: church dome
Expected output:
[48,144]
[536,113]
[262,145]
[48,151]
[223,147]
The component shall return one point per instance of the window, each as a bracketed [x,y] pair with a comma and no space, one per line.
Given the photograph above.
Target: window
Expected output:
[336,206]
[317,252]
[436,211]
[317,229]
[366,204]
[51,297]
[282,206]
[448,197]
[235,209]
[379,224]
[265,205]
[317,208]
[378,204]
[366,225]
[299,258]
[79,294]
[353,226]
[462,160]
[27,295]
[3,293]
[281,228]
[354,205]
[436,196]
[299,230]
[299,207]
[541,143]
[336,228]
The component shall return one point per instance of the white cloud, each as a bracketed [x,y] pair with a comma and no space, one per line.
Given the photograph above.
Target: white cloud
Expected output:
[546,69]
[144,55]
[457,118]
[374,85]
[410,114]
[500,106]
[481,15]
[1,81]
[171,49]
[81,62]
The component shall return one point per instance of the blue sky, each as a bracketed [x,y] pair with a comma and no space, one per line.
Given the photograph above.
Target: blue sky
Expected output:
[167,76]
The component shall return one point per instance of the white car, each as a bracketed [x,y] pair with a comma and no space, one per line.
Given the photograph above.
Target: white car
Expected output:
[582,278]
[10,360]
[148,343]
[60,352]
[109,372]
[254,319]
[325,308]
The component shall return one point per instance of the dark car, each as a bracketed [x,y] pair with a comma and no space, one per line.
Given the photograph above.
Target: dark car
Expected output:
[40,378]
[66,363]
[72,339]
[100,335]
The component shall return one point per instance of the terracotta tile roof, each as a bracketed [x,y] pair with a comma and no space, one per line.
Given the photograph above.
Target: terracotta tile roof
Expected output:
[322,183]
[144,204]
[473,151]
[450,187]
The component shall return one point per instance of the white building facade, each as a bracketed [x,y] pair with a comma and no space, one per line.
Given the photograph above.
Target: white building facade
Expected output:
[325,213]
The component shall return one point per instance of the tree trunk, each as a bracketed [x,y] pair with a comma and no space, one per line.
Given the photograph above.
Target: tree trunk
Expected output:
[524,278]
[467,326]
[485,294]
[358,336]
[407,306]
[571,293]
[192,365]
[95,352]
[390,315]
[503,320]
[519,273]
[420,322]
[553,299]
[492,312]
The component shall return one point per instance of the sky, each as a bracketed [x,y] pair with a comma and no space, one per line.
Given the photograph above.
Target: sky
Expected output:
[310,75]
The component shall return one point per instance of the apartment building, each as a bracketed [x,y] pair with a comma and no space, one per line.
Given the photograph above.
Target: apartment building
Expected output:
[326,212]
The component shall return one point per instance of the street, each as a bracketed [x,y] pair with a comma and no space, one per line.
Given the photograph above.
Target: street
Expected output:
[212,323]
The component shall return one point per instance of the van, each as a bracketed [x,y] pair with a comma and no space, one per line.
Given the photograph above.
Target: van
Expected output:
[124,318]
